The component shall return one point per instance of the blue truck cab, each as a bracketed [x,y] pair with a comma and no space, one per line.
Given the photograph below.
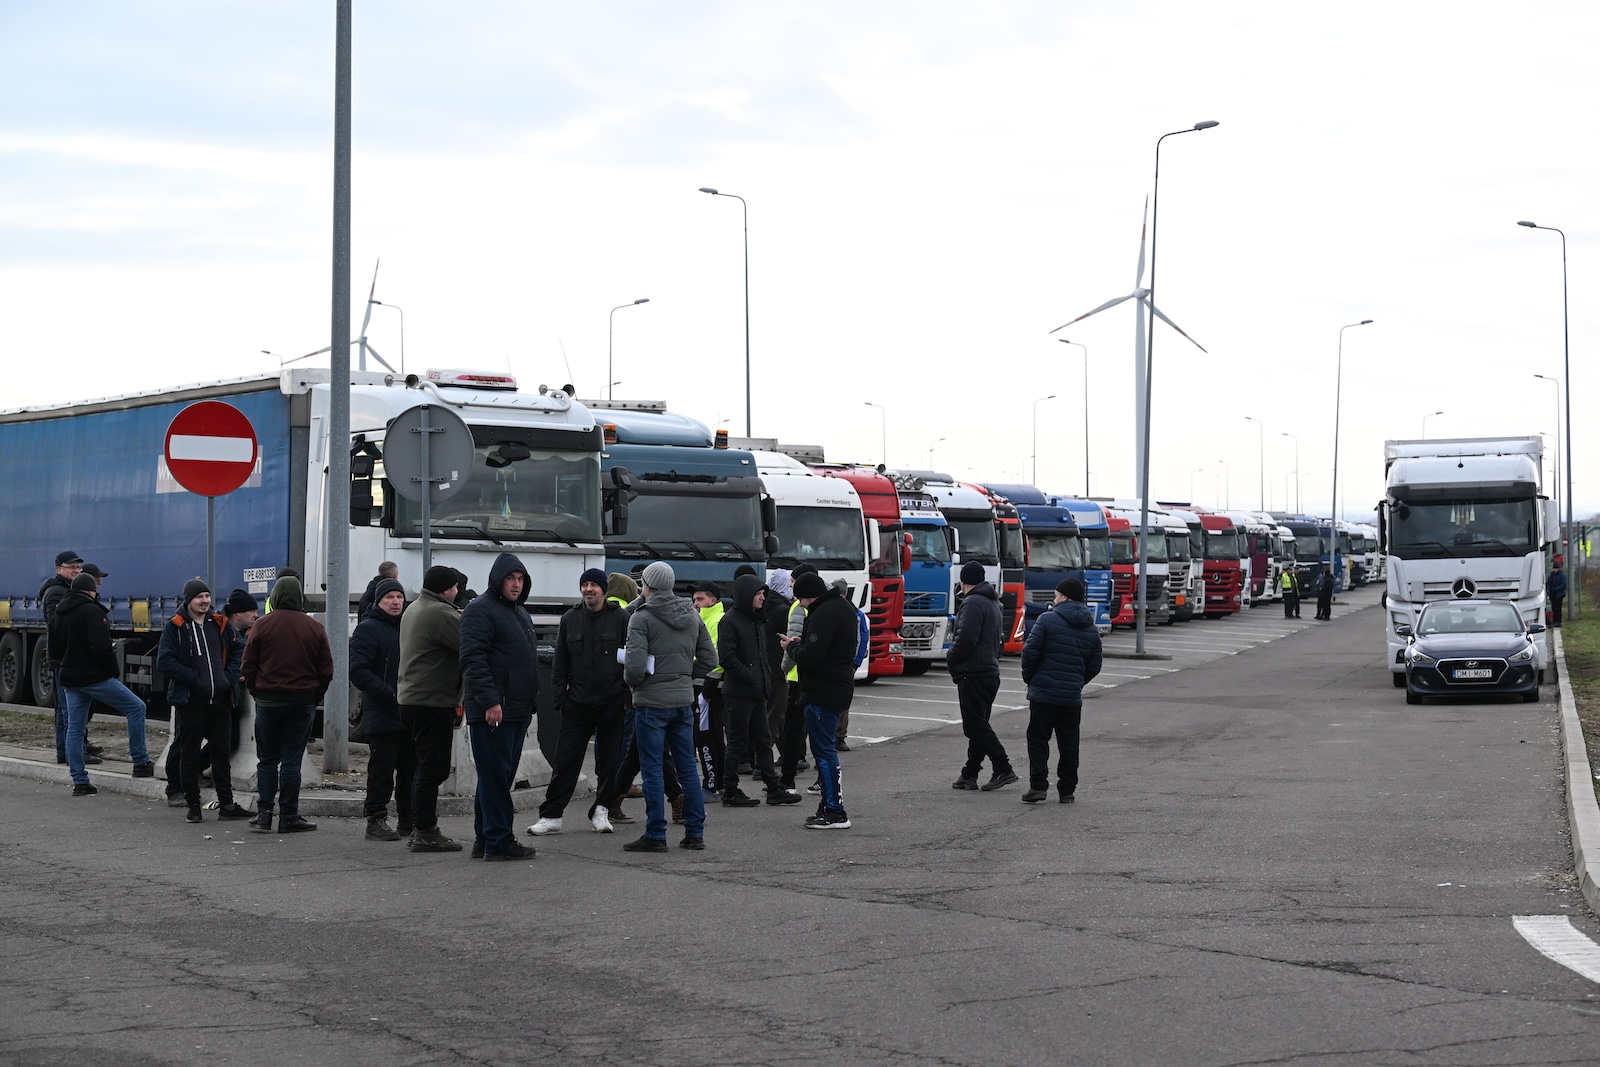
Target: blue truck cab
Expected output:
[1056,550]
[1096,533]
[928,623]
[694,502]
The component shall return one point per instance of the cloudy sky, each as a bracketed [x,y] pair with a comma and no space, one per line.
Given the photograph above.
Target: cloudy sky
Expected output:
[932,188]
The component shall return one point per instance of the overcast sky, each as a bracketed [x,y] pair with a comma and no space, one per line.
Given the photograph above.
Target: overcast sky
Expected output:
[932,188]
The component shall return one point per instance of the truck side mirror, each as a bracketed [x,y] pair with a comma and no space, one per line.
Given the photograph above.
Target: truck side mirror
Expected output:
[770,543]
[769,514]
[617,498]
[365,506]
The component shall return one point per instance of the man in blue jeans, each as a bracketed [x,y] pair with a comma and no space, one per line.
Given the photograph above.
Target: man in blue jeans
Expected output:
[668,647]
[89,673]
[288,666]
[825,656]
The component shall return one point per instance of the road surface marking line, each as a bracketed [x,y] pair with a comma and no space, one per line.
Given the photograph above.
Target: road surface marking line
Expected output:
[913,700]
[857,714]
[1559,940]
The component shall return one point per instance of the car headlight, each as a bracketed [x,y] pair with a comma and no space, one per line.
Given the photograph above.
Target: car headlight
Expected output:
[1418,659]
[1522,657]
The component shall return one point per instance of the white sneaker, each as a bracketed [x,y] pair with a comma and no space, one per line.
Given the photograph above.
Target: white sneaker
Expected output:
[545,826]
[600,821]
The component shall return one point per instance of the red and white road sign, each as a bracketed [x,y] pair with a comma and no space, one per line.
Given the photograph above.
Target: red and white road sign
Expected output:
[211,448]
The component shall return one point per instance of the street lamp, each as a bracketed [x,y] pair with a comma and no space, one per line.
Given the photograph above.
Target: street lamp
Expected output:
[707,189]
[1338,383]
[611,330]
[1227,483]
[1555,456]
[1197,470]
[1085,348]
[402,311]
[1036,404]
[1261,460]
[1425,419]
[930,451]
[1149,367]
[1566,343]
[1296,474]
[883,426]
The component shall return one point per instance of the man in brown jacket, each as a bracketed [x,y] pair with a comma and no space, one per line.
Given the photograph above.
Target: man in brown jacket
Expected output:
[288,666]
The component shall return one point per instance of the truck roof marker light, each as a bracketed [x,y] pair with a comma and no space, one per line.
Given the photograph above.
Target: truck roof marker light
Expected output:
[721,440]
[610,429]
[473,379]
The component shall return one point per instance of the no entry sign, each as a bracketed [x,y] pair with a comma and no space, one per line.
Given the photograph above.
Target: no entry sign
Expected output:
[211,448]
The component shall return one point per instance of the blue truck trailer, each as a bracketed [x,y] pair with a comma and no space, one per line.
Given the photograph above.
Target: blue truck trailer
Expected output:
[91,477]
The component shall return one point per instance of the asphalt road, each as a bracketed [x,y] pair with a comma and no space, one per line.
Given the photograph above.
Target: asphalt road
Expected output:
[1273,860]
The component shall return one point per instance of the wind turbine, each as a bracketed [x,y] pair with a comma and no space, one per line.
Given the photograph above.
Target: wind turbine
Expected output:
[1140,351]
[362,340]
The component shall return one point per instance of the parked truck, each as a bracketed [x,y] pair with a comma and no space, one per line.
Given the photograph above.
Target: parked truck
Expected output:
[929,623]
[1013,587]
[891,558]
[1150,547]
[1055,550]
[92,477]
[1462,518]
[1095,531]
[1225,576]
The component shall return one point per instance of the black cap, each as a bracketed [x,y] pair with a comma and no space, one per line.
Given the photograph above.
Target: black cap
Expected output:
[972,572]
[93,569]
[743,569]
[69,556]
[709,587]
[240,602]
[809,586]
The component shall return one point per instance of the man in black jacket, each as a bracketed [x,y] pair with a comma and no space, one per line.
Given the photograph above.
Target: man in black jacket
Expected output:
[974,664]
[825,656]
[590,696]
[746,686]
[68,566]
[200,655]
[89,673]
[1325,594]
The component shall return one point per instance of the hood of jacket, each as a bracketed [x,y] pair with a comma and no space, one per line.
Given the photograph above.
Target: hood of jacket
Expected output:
[384,617]
[286,593]
[622,587]
[675,611]
[504,564]
[984,589]
[71,605]
[1076,614]
[745,588]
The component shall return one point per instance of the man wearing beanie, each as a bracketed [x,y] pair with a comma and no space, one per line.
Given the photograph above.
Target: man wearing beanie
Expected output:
[825,658]
[712,735]
[81,636]
[974,663]
[375,671]
[588,693]
[1060,657]
[667,648]
[429,690]
[288,667]
[200,656]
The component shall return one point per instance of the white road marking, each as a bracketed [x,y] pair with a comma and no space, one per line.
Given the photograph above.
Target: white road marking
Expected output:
[1559,940]
[854,714]
[913,700]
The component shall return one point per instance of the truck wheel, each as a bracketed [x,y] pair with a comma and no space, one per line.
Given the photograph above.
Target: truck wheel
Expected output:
[917,666]
[1399,679]
[44,679]
[13,669]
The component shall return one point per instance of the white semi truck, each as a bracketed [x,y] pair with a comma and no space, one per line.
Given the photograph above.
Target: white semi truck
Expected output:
[1464,518]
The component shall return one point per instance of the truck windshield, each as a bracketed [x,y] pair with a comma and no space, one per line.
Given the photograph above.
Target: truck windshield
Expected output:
[827,538]
[977,539]
[1098,553]
[550,496]
[928,544]
[1197,541]
[1307,545]
[1011,551]
[1054,552]
[886,564]
[687,517]
[1478,528]
[1178,546]
[1222,544]
[1154,546]
[1121,548]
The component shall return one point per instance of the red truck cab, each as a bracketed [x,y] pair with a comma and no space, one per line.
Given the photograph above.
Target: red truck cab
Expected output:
[1224,574]
[886,567]
[1124,571]
[1013,569]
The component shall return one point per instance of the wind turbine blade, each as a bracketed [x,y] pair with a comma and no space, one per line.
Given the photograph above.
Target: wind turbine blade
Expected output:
[1143,224]
[1096,311]
[370,293]
[373,352]
[1157,313]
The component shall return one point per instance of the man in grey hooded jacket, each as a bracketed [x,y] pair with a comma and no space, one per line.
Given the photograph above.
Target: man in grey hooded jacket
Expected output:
[667,649]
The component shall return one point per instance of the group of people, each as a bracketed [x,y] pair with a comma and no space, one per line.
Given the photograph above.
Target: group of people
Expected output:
[1290,583]
[687,694]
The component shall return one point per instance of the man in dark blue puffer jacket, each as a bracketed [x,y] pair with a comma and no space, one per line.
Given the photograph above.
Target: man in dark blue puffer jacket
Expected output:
[1060,657]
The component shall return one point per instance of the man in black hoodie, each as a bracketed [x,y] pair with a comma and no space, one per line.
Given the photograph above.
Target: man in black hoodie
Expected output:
[746,686]
[974,663]
[825,658]
[89,673]
[200,654]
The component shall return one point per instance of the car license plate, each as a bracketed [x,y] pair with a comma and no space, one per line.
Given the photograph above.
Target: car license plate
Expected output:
[1475,672]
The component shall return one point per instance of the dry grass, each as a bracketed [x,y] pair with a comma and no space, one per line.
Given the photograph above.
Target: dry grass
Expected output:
[1581,642]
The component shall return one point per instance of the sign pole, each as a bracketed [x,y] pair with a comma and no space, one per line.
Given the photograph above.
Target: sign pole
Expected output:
[211,547]
[427,492]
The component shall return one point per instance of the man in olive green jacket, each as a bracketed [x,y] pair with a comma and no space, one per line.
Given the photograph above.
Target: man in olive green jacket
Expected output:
[429,692]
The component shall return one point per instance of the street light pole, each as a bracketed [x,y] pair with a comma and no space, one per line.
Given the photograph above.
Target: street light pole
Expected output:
[1197,470]
[1338,385]
[1149,367]
[1085,348]
[930,452]
[1566,344]
[1555,457]
[746,207]
[611,330]
[1425,419]
[1261,460]
[883,427]
[1296,474]
[1035,456]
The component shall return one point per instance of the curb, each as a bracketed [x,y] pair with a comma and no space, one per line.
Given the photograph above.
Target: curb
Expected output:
[322,803]
[1583,812]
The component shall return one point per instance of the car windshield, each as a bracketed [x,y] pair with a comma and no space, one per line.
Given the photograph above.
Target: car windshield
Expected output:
[1447,618]
[1054,552]
[1222,544]
[1478,528]
[928,544]
[829,538]
[550,496]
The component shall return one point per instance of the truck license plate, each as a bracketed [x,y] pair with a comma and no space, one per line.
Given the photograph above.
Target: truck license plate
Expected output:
[1475,672]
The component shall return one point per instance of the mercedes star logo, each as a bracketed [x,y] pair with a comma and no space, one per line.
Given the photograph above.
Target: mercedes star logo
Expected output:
[1464,589]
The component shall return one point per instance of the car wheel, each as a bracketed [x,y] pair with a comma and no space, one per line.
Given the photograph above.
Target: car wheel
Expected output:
[1531,697]
[1399,678]
[1413,697]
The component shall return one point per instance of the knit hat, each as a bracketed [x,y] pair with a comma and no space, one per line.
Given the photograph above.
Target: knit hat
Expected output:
[711,587]
[659,576]
[741,570]
[593,574]
[240,602]
[622,587]
[191,589]
[780,582]
[802,568]
[385,587]
[439,578]
[809,585]
[972,572]
[1072,589]
[85,583]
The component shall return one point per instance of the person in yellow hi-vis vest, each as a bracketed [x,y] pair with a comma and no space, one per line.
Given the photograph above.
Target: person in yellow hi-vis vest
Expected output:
[1290,584]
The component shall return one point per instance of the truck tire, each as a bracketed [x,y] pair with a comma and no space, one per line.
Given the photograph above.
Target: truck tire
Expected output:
[44,677]
[14,687]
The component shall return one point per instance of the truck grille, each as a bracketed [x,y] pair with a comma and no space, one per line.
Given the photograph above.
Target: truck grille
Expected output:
[925,603]
[1042,596]
[917,644]
[1496,588]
